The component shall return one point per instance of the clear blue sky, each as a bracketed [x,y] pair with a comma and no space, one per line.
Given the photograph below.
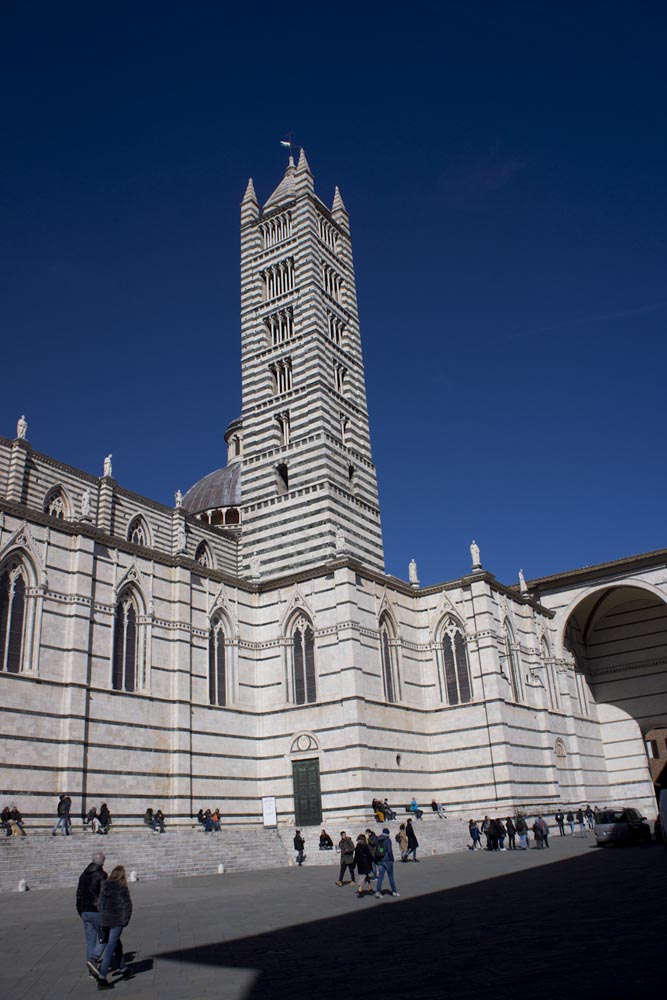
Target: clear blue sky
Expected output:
[504,167]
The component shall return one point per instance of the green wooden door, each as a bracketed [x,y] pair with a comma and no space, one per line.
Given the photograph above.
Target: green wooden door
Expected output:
[307,795]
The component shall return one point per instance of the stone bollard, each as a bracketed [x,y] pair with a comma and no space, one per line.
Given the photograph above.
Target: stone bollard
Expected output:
[221,869]
[23,885]
[133,876]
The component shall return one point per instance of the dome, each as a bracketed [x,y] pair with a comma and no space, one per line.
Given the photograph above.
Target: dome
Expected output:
[221,488]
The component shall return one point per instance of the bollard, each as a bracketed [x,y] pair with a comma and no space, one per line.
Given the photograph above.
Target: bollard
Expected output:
[221,869]
[133,876]
[23,887]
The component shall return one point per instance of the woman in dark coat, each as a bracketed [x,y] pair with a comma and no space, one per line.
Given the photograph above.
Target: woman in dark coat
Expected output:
[413,843]
[115,909]
[363,862]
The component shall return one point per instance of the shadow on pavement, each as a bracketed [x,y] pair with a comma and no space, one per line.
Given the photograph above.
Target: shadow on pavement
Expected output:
[580,924]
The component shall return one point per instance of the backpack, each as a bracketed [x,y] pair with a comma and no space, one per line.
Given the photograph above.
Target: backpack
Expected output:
[379,851]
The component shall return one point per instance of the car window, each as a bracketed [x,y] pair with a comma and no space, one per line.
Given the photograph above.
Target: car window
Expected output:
[611,816]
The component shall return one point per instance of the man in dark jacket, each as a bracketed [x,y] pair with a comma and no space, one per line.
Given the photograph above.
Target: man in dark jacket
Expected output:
[87,897]
[384,857]
[299,844]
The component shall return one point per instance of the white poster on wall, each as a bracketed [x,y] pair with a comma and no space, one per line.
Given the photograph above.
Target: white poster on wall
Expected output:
[269,810]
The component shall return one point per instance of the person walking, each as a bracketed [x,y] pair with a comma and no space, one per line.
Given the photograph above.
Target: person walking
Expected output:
[87,899]
[544,828]
[62,817]
[475,835]
[511,833]
[590,817]
[560,823]
[105,818]
[582,823]
[502,832]
[299,844]
[570,822]
[346,848]
[402,841]
[413,843]
[539,837]
[371,840]
[385,861]
[115,910]
[363,863]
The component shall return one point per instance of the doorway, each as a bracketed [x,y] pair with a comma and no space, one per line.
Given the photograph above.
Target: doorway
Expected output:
[307,793]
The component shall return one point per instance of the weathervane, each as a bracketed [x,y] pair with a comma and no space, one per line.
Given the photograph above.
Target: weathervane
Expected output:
[288,144]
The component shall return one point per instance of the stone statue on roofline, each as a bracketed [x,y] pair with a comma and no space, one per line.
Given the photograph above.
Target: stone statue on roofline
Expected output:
[107,466]
[412,573]
[21,428]
[85,504]
[182,538]
[523,586]
[178,496]
[474,552]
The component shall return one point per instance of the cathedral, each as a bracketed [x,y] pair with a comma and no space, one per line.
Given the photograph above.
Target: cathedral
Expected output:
[245,648]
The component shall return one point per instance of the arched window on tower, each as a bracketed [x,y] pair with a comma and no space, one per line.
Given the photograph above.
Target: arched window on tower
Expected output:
[304,681]
[13,585]
[512,663]
[56,503]
[455,663]
[217,665]
[388,659]
[137,531]
[127,657]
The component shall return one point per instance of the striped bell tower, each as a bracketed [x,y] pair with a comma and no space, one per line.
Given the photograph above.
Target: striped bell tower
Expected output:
[309,488]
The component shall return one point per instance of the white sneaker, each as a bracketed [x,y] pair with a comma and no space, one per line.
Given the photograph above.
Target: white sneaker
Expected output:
[396,894]
[378,895]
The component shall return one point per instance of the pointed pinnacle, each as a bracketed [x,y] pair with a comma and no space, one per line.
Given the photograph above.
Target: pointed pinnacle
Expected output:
[250,192]
[338,203]
[303,165]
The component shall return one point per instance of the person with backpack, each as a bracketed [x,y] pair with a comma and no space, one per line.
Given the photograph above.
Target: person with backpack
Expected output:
[570,822]
[413,843]
[384,857]
[560,822]
[346,848]
[299,844]
[364,863]
[511,833]
[402,841]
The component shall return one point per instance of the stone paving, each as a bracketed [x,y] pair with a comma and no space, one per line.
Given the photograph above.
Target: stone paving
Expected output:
[551,924]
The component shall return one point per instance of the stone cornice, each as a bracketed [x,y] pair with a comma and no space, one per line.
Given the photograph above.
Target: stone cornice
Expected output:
[617,567]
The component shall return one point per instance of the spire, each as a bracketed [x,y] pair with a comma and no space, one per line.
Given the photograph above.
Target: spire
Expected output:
[339,212]
[249,205]
[303,166]
[250,192]
[304,178]
[285,190]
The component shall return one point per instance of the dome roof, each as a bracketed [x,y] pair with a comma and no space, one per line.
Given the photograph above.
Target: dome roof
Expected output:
[221,488]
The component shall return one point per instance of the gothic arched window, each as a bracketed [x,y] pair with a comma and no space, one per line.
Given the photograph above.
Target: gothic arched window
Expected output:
[513,663]
[203,555]
[387,657]
[55,504]
[125,662]
[12,617]
[138,532]
[303,663]
[217,668]
[456,667]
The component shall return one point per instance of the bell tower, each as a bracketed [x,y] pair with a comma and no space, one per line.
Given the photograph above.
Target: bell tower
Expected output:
[309,487]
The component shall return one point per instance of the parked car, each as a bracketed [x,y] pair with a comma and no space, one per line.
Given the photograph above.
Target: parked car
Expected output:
[615,826]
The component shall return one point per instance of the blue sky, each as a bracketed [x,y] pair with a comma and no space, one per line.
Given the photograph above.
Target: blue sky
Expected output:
[503,166]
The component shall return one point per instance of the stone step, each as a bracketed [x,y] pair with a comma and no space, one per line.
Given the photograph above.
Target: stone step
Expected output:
[45,861]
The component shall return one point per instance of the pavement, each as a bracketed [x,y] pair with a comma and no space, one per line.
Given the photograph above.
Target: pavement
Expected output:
[553,924]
